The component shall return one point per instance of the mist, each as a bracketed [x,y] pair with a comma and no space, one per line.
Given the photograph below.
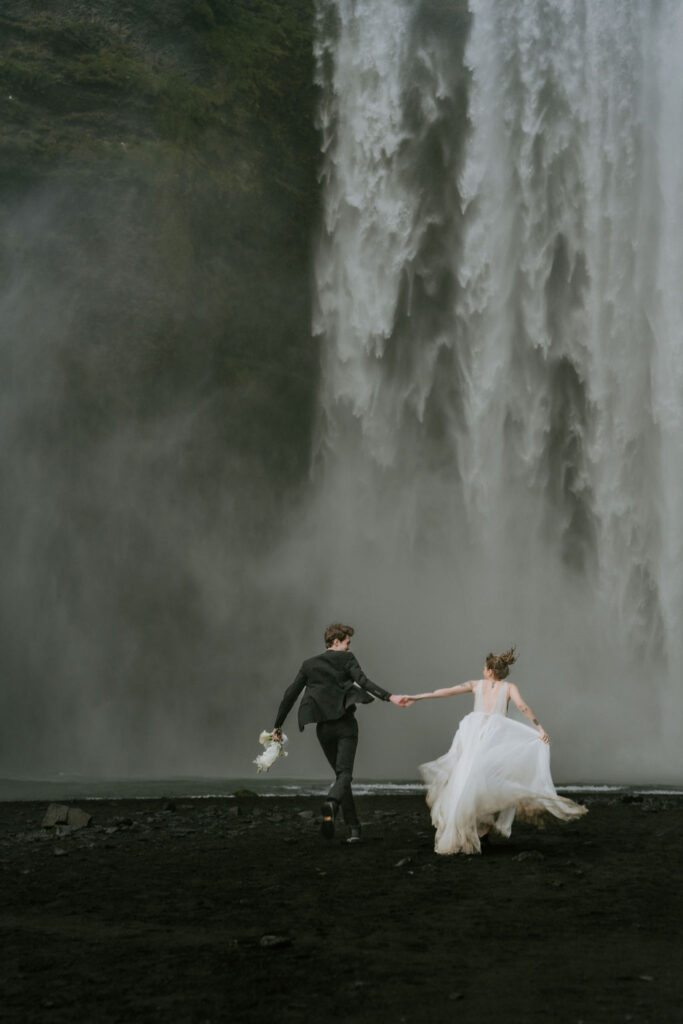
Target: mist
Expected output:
[436,395]
[126,608]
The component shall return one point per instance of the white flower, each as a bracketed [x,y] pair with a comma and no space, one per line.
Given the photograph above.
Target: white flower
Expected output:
[274,749]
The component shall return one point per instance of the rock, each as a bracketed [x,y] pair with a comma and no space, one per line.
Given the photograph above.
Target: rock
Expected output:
[403,862]
[235,811]
[76,818]
[59,851]
[306,815]
[170,805]
[56,814]
[273,941]
[62,814]
[455,996]
[529,855]
[244,792]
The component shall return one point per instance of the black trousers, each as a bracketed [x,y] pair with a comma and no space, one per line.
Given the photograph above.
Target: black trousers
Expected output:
[339,739]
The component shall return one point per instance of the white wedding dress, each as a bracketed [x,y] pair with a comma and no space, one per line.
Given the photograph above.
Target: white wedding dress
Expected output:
[495,768]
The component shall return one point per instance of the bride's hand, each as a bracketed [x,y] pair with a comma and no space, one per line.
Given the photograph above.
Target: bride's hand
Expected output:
[544,735]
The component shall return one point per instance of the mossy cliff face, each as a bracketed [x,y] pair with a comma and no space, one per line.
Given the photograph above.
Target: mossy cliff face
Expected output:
[158,197]
[159,180]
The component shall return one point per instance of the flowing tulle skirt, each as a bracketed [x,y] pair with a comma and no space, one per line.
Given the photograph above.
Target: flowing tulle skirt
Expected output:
[496,768]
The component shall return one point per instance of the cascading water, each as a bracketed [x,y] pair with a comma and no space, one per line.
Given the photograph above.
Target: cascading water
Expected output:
[499,296]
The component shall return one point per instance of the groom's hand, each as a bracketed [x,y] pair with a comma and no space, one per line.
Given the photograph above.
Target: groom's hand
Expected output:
[400,701]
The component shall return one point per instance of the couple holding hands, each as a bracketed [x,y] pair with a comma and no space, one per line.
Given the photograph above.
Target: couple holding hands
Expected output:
[495,769]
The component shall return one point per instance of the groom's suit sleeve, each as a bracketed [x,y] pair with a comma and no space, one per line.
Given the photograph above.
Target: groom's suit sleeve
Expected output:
[359,677]
[291,694]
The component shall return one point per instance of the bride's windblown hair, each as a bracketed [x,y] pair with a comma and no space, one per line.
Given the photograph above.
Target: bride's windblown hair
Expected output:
[499,664]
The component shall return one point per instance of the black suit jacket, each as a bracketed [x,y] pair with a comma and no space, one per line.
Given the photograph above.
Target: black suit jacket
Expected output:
[334,681]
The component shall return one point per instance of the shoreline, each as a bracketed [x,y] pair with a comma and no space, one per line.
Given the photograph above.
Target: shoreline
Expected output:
[204,788]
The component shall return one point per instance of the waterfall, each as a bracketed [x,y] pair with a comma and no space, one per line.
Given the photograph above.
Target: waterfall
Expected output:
[499,296]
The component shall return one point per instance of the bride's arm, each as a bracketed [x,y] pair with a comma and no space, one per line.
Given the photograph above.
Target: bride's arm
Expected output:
[516,697]
[448,691]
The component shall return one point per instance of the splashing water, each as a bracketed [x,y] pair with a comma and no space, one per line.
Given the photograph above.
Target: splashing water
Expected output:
[498,286]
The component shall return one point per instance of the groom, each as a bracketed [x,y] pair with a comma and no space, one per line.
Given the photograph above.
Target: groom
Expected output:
[334,683]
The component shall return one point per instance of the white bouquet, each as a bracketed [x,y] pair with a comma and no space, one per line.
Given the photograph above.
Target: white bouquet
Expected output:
[274,749]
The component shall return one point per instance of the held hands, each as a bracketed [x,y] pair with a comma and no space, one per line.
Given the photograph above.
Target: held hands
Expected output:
[402,700]
[398,700]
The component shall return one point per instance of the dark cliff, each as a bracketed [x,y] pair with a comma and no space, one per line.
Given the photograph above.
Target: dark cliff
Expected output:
[158,177]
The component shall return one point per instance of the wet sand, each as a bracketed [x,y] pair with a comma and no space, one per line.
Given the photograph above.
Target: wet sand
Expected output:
[230,910]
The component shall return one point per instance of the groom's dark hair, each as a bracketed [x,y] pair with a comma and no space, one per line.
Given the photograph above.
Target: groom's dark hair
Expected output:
[337,631]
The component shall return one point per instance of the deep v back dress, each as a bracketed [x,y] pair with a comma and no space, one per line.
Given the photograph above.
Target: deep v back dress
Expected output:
[495,768]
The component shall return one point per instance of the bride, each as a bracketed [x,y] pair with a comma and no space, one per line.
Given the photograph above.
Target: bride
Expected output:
[495,768]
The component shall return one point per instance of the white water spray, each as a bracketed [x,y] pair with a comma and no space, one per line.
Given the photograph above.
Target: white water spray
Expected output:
[501,442]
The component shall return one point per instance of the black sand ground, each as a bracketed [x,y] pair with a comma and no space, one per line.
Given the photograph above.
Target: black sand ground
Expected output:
[233,910]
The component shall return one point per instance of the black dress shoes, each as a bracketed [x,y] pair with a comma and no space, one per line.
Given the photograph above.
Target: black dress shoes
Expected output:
[329,810]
